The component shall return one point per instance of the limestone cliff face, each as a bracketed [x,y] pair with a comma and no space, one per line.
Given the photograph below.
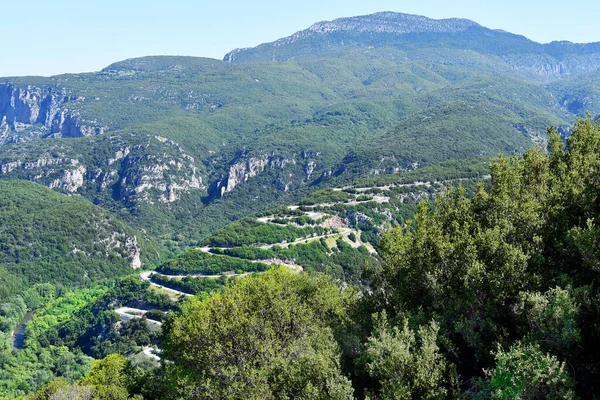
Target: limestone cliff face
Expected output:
[33,111]
[59,172]
[156,171]
[553,67]
[147,176]
[71,180]
[132,252]
[244,170]
[121,245]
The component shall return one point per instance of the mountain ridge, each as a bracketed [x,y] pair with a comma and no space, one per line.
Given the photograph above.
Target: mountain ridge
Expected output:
[402,30]
[179,144]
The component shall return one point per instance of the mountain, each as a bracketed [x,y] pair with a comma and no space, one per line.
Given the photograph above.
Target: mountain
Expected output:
[408,32]
[50,237]
[181,146]
[302,153]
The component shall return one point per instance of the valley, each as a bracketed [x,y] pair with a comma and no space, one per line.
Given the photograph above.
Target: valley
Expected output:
[382,206]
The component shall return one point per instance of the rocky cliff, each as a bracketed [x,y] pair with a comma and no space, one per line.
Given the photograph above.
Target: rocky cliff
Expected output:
[35,111]
[289,170]
[154,169]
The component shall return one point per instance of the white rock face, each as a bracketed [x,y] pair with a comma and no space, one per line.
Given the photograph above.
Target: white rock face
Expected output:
[243,171]
[42,110]
[134,252]
[139,175]
[309,168]
[125,246]
[182,172]
[71,180]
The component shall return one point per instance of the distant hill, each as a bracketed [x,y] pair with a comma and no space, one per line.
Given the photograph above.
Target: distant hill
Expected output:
[49,237]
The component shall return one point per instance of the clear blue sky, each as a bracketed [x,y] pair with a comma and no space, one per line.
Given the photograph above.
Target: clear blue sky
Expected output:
[42,37]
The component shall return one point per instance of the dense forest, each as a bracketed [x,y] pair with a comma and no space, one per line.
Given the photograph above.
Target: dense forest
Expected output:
[371,208]
[491,295]
[48,237]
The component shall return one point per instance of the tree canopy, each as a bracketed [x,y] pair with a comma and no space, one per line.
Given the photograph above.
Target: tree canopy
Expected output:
[269,336]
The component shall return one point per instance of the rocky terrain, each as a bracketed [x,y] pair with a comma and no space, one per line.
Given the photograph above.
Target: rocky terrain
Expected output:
[32,111]
[189,144]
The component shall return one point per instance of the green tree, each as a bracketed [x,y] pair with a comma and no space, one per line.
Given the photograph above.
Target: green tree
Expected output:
[524,372]
[408,365]
[264,337]
[60,389]
[492,268]
[110,378]
[550,319]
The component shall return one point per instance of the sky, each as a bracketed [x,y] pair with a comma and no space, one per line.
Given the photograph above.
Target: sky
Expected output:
[41,37]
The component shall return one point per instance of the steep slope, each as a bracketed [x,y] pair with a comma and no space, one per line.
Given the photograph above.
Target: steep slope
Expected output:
[405,31]
[187,145]
[50,237]
[579,94]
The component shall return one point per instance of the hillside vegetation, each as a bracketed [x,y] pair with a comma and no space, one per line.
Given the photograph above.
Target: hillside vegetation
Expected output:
[371,208]
[166,142]
[490,296]
[49,237]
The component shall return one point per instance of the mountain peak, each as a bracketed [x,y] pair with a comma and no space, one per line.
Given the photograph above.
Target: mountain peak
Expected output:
[392,22]
[381,23]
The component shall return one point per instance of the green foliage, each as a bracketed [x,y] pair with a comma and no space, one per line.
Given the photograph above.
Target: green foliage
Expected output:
[249,232]
[268,336]
[407,364]
[199,262]
[524,372]
[60,389]
[333,118]
[92,327]
[27,370]
[450,170]
[57,312]
[551,319]
[49,237]
[514,263]
[26,365]
[326,196]
[109,379]
[344,262]
[492,268]
[418,35]
[189,284]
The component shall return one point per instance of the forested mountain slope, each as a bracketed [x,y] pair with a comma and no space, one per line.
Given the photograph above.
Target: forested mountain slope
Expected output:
[181,146]
[49,237]
[485,295]
[269,198]
[407,32]
[179,139]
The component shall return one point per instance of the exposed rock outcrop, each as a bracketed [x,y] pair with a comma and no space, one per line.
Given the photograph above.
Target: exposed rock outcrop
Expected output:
[132,174]
[553,67]
[124,246]
[141,176]
[71,180]
[242,171]
[34,111]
